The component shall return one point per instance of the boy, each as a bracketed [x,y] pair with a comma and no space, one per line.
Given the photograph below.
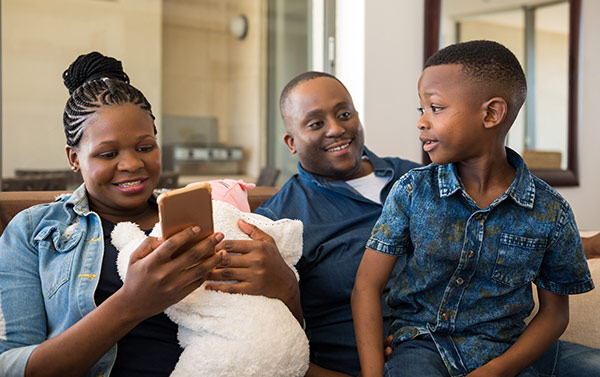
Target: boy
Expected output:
[473,231]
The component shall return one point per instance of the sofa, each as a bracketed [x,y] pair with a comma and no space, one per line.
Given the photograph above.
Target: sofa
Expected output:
[584,324]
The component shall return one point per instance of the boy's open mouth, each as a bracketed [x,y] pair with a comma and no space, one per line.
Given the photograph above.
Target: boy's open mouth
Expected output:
[429,145]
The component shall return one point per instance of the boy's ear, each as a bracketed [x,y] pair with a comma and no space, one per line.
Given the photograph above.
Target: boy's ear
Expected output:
[495,110]
[289,142]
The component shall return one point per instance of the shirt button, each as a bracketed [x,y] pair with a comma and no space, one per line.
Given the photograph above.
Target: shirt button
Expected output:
[460,281]
[478,216]
[444,316]
[470,254]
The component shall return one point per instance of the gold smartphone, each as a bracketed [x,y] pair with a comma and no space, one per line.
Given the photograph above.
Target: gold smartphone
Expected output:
[185,207]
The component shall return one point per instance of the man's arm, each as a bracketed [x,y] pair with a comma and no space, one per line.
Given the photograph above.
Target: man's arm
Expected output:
[545,328]
[371,278]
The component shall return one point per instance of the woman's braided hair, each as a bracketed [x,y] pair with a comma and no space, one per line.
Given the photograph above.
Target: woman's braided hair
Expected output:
[93,81]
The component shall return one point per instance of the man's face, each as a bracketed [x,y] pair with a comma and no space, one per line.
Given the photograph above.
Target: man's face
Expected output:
[324,130]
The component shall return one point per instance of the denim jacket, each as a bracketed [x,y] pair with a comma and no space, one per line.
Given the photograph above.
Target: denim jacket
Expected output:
[50,261]
[467,271]
[337,223]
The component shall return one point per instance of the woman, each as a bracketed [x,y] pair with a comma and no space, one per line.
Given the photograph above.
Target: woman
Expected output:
[63,308]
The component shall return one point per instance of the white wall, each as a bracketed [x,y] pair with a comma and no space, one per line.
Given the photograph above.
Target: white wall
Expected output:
[350,49]
[393,61]
[585,199]
[40,39]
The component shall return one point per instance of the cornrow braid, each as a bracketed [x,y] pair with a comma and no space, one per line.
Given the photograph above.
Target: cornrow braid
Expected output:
[94,81]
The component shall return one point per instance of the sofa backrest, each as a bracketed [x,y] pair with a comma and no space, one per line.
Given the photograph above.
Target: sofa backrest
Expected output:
[13,202]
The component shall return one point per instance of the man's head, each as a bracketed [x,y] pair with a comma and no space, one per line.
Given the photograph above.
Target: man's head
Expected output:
[322,126]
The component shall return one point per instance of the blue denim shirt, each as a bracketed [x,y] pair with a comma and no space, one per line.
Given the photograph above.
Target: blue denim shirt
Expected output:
[50,261]
[337,223]
[467,272]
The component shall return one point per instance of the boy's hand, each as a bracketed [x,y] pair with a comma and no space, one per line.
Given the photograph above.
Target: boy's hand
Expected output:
[387,348]
[488,370]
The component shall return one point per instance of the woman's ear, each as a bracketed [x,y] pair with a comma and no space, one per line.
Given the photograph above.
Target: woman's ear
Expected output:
[289,142]
[72,158]
[495,110]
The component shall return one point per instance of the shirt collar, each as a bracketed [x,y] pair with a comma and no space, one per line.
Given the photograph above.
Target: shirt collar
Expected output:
[521,190]
[380,167]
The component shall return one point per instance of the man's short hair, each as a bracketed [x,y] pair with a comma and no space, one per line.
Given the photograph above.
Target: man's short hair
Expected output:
[488,63]
[305,76]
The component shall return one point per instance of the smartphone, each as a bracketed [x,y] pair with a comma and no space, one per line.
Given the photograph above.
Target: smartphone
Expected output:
[185,207]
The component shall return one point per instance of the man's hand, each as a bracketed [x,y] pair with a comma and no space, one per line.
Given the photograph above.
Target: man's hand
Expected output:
[258,268]
[316,371]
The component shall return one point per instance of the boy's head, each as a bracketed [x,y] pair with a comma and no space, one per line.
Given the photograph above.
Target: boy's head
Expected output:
[492,69]
[470,94]
[322,126]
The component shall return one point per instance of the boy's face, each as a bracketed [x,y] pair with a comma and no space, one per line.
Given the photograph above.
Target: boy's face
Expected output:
[451,123]
[323,128]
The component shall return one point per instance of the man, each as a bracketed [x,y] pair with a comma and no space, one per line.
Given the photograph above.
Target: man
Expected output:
[338,194]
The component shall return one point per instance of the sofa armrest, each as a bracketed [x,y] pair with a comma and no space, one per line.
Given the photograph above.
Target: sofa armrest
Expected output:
[584,312]
[584,309]
[13,202]
[259,194]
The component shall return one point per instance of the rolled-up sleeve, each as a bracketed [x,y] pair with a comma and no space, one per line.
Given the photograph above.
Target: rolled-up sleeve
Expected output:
[391,233]
[564,270]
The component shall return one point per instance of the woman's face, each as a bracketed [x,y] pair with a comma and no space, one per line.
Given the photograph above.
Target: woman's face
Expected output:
[119,159]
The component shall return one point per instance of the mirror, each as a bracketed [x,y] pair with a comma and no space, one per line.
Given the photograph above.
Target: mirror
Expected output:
[544,35]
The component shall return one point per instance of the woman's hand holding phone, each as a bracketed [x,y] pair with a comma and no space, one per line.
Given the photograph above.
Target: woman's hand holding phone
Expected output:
[161,273]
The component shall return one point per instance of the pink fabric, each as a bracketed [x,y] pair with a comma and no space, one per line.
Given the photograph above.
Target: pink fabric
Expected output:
[231,191]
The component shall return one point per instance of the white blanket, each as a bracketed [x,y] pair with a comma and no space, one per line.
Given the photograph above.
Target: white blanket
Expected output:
[227,334]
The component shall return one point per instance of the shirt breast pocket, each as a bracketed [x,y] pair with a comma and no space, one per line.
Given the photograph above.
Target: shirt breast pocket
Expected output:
[56,251]
[519,259]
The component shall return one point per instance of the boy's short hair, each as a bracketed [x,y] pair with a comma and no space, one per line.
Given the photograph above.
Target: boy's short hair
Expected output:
[487,63]
[305,76]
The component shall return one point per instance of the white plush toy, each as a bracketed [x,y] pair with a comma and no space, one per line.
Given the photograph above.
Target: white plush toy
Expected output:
[226,334]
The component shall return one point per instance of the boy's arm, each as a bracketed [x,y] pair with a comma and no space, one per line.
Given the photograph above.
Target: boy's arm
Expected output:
[544,329]
[371,278]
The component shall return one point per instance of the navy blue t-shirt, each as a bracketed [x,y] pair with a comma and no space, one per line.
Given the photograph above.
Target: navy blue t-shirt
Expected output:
[151,348]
